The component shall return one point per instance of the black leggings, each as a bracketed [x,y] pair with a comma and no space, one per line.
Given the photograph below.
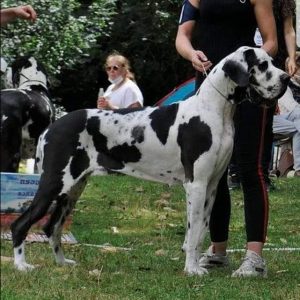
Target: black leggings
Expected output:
[253,127]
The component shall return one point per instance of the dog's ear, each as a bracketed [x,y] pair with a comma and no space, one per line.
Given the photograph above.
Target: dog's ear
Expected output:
[250,58]
[236,72]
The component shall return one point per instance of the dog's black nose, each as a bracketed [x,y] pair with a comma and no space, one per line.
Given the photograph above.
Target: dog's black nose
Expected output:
[285,78]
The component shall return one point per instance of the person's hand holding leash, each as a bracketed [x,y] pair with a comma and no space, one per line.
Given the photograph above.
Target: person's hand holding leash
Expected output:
[291,66]
[200,61]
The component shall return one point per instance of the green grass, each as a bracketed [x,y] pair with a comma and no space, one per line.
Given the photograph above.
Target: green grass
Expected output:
[150,218]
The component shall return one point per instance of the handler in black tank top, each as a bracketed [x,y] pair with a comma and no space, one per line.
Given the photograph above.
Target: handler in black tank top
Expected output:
[222,27]
[235,21]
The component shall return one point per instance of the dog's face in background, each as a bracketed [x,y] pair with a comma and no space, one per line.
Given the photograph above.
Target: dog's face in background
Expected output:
[23,69]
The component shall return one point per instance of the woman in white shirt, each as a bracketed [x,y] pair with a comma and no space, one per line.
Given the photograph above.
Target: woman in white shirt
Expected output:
[123,91]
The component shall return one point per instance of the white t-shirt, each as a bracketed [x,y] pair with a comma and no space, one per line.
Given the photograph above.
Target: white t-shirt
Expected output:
[127,94]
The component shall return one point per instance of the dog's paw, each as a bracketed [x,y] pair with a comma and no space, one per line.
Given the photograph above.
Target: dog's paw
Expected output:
[66,261]
[195,270]
[70,262]
[24,267]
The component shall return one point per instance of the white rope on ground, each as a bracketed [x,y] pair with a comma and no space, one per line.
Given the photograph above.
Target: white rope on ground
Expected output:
[107,246]
[266,249]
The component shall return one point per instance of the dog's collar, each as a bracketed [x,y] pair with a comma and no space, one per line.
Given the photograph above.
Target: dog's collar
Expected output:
[207,77]
[29,80]
[25,84]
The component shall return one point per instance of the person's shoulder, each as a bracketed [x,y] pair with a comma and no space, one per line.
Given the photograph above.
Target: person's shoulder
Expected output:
[130,84]
[133,88]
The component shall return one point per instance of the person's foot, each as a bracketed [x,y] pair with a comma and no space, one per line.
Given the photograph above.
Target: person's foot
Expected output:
[253,265]
[270,185]
[297,173]
[211,260]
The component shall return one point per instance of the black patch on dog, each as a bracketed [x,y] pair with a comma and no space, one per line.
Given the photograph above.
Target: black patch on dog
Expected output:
[236,72]
[137,134]
[125,153]
[239,95]
[100,143]
[61,202]
[107,162]
[263,67]
[79,163]
[93,129]
[250,58]
[194,138]
[61,143]
[205,204]
[269,76]
[162,119]
[115,157]
[125,111]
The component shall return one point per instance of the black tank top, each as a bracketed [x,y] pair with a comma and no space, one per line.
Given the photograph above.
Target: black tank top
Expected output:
[224,26]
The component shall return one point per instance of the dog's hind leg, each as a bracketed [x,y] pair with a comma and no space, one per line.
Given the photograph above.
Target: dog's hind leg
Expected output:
[21,226]
[53,228]
[196,194]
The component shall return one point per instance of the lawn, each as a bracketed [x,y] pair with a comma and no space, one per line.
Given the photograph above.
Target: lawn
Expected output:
[148,219]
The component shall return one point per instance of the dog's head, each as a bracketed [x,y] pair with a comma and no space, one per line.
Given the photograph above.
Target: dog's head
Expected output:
[26,70]
[253,71]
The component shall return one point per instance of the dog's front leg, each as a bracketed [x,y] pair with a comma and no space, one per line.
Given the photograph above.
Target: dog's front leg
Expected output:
[188,210]
[195,193]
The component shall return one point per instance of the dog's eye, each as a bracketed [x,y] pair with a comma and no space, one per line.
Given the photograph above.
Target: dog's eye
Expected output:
[263,66]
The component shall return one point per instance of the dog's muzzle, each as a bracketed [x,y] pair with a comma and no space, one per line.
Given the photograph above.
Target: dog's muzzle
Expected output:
[254,97]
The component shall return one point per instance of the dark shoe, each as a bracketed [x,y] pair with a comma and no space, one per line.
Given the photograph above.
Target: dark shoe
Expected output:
[234,182]
[270,185]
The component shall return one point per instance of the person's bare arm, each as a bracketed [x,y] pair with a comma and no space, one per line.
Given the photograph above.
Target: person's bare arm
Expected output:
[290,42]
[184,45]
[22,12]
[266,23]
[135,105]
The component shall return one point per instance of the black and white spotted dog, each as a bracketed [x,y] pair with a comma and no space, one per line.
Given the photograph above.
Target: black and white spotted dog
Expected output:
[188,142]
[26,111]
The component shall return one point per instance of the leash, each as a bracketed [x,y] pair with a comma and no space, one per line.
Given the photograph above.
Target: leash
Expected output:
[245,98]
[29,80]
[207,77]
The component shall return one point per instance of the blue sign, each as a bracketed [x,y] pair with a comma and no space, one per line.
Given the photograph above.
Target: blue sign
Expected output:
[17,191]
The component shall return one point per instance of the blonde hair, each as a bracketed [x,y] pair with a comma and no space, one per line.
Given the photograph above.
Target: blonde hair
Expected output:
[123,61]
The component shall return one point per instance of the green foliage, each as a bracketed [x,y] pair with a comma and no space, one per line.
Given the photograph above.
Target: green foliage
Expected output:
[62,34]
[72,38]
[145,31]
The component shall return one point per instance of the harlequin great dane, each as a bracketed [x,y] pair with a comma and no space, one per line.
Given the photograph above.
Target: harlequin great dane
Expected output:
[26,111]
[188,142]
